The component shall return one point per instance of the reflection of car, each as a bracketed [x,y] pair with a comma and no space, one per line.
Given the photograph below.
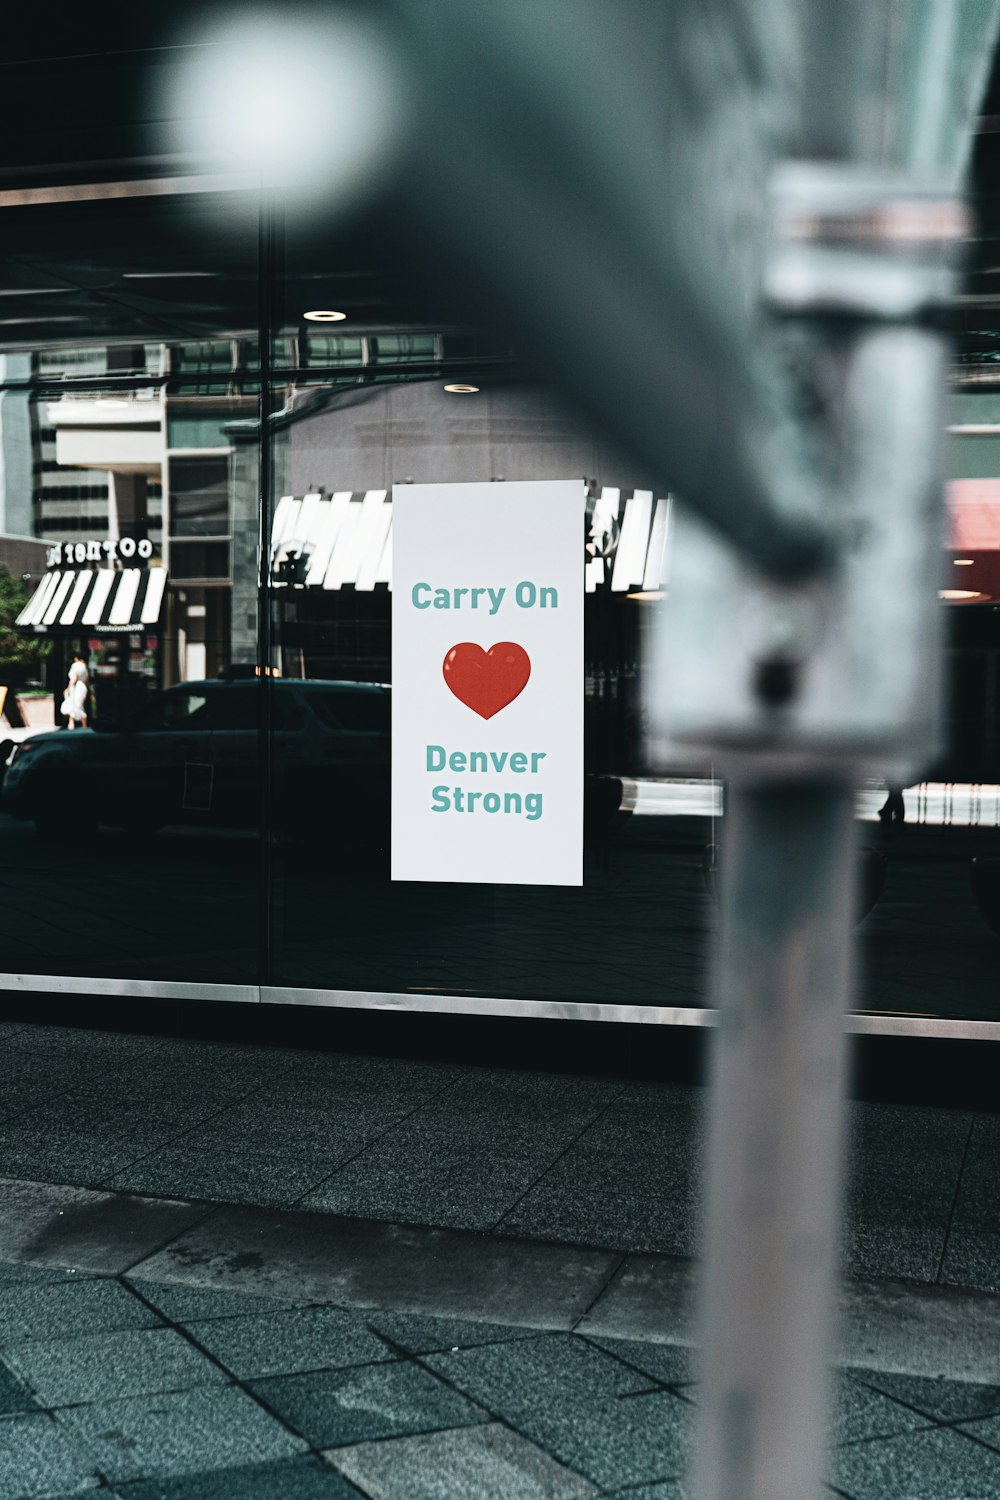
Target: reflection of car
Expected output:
[11,738]
[196,753]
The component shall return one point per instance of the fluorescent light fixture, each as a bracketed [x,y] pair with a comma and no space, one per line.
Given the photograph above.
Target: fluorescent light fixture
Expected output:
[322,315]
[963,562]
[170,275]
[460,389]
[960,594]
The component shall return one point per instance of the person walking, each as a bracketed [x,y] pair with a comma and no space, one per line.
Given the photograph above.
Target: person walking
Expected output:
[76,693]
[893,809]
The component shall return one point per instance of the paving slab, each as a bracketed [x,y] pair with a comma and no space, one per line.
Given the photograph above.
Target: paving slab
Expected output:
[275,1177]
[79,1041]
[460,1465]
[904,1164]
[556,1208]
[921,1330]
[359,1263]
[69,1309]
[555,1368]
[939,1464]
[670,1364]
[892,1326]
[649,1297]
[409,1180]
[308,1478]
[106,1366]
[670,1489]
[861,1413]
[14,1394]
[19,1273]
[181,1304]
[49,1152]
[941,1400]
[37,1457]
[282,1343]
[423,1335]
[331,1408]
[95,1231]
[627,1441]
[181,1433]
[973,1253]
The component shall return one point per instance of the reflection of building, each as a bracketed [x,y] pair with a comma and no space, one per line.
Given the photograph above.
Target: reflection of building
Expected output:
[337,457]
[109,597]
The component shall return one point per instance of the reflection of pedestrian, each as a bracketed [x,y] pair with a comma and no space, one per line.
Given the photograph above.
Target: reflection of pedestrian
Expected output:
[74,704]
[893,809]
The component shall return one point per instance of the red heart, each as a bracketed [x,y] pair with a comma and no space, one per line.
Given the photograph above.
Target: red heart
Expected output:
[486,681]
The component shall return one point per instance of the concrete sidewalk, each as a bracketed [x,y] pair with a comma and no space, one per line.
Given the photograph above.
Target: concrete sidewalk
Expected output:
[235,1271]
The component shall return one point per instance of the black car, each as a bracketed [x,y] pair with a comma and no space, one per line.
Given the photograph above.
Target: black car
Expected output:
[198,753]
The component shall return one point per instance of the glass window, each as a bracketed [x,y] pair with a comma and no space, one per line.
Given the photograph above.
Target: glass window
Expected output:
[199,497]
[167,815]
[369,712]
[645,832]
[181,708]
[144,430]
[334,349]
[238,706]
[397,348]
[199,561]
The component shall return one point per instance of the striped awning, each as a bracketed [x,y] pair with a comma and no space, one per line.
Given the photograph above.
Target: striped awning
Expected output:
[110,600]
[329,540]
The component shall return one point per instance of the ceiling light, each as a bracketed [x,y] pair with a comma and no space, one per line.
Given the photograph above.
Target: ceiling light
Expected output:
[167,275]
[462,390]
[322,315]
[642,595]
[963,562]
[960,594]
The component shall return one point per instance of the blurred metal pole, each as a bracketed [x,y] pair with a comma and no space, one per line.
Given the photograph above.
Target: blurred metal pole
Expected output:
[782,985]
[782,971]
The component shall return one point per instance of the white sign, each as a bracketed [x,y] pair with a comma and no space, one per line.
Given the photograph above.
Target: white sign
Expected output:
[65,554]
[487,682]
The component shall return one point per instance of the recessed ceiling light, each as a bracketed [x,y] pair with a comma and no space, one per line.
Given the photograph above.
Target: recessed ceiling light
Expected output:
[462,390]
[323,315]
[960,594]
[963,562]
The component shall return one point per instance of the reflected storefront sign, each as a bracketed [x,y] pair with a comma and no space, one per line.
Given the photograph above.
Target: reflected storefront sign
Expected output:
[111,549]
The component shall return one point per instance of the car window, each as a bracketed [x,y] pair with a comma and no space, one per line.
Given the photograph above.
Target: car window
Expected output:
[180,708]
[369,712]
[286,711]
[239,707]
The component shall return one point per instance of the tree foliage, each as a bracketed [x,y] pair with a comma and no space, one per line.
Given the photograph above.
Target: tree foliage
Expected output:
[21,656]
